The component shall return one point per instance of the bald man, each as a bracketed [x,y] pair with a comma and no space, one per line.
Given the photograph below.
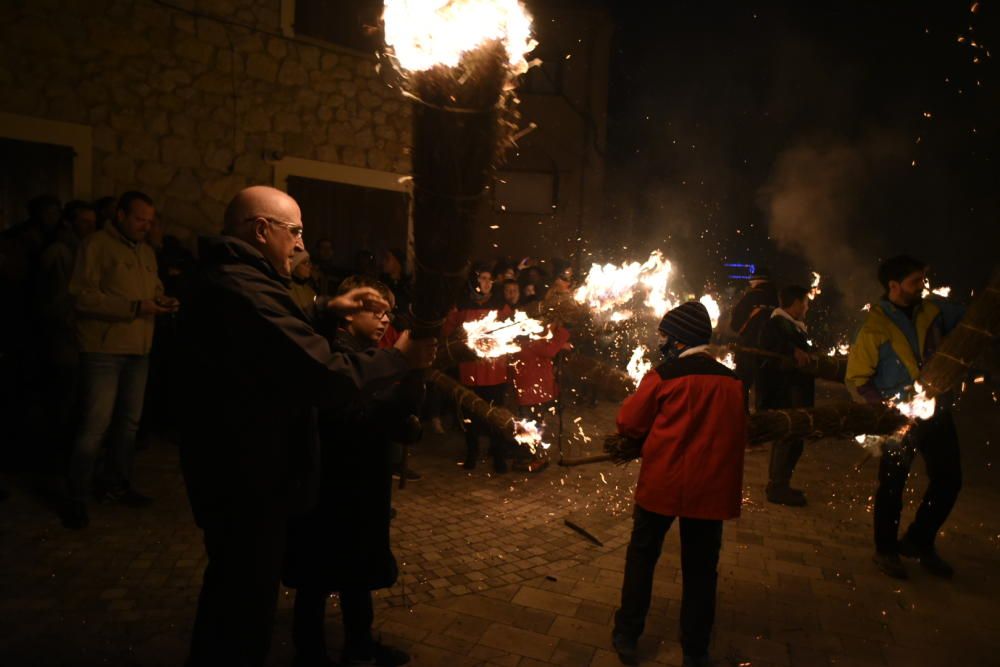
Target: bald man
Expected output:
[256,370]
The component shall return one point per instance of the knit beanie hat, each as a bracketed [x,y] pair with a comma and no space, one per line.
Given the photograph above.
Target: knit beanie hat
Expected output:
[689,323]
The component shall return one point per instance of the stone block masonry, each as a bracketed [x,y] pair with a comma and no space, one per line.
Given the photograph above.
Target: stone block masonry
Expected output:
[191,104]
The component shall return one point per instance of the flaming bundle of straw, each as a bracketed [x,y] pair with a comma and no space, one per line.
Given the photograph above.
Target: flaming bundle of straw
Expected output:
[842,418]
[495,417]
[963,346]
[457,61]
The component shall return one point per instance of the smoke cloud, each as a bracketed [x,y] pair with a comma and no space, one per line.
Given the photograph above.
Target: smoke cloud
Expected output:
[814,201]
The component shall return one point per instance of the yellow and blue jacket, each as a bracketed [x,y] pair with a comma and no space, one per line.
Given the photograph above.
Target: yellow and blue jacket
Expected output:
[891,348]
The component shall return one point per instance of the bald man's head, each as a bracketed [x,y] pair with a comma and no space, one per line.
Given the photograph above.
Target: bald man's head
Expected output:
[269,220]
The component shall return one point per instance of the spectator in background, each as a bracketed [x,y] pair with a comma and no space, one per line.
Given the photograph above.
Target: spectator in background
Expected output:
[511,293]
[343,544]
[487,378]
[532,283]
[779,388]
[394,275]
[365,264]
[532,373]
[326,274]
[57,319]
[105,207]
[302,291]
[117,295]
[749,315]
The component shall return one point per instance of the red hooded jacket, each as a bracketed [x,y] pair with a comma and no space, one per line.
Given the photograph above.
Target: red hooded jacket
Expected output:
[486,372]
[532,369]
[689,412]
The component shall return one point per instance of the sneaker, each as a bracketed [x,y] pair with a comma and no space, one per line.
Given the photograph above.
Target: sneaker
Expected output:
[380,654]
[627,649]
[928,557]
[75,516]
[891,565]
[131,498]
[785,495]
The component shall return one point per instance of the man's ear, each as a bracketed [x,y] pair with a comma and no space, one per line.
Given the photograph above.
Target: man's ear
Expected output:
[260,230]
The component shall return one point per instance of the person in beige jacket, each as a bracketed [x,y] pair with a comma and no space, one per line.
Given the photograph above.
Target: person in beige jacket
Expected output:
[117,296]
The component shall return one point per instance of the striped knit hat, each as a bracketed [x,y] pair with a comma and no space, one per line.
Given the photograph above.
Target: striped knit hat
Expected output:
[689,323]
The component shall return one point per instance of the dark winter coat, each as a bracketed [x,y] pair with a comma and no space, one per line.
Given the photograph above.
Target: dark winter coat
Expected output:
[779,386]
[253,370]
[344,541]
[749,316]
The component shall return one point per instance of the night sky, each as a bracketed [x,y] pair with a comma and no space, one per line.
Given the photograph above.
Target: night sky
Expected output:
[795,135]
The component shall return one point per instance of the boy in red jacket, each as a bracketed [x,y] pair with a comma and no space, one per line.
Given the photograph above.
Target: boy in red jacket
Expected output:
[689,414]
[532,372]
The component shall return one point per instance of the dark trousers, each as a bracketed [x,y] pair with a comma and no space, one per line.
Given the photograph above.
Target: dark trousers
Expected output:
[701,541]
[239,592]
[498,446]
[785,454]
[937,441]
[357,612]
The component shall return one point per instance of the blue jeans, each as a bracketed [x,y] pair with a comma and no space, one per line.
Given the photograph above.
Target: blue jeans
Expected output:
[113,387]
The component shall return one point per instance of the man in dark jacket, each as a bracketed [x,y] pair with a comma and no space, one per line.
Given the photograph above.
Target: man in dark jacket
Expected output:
[343,544]
[748,318]
[690,416]
[781,385]
[254,370]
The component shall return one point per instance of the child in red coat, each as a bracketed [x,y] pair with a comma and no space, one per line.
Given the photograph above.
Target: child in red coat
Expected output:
[689,414]
[532,373]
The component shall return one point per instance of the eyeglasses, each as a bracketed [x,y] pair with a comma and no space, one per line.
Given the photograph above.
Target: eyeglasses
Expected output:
[379,314]
[294,230]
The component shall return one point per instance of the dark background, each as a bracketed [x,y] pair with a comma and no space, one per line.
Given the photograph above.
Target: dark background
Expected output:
[786,134]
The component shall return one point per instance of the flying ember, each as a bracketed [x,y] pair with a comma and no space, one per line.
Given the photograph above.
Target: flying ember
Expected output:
[425,33]
[490,338]
[729,361]
[814,289]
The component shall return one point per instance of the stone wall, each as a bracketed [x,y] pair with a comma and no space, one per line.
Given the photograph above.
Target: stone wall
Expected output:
[191,105]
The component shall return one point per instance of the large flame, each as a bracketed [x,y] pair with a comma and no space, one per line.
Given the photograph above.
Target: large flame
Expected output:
[638,366]
[426,33]
[608,287]
[918,407]
[490,338]
[528,433]
[712,306]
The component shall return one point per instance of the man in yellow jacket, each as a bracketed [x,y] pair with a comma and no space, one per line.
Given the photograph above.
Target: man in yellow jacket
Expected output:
[117,295]
[900,334]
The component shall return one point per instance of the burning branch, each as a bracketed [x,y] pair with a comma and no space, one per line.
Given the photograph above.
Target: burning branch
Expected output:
[457,61]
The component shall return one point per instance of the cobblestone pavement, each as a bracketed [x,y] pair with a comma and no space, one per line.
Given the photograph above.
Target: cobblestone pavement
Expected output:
[491,575]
